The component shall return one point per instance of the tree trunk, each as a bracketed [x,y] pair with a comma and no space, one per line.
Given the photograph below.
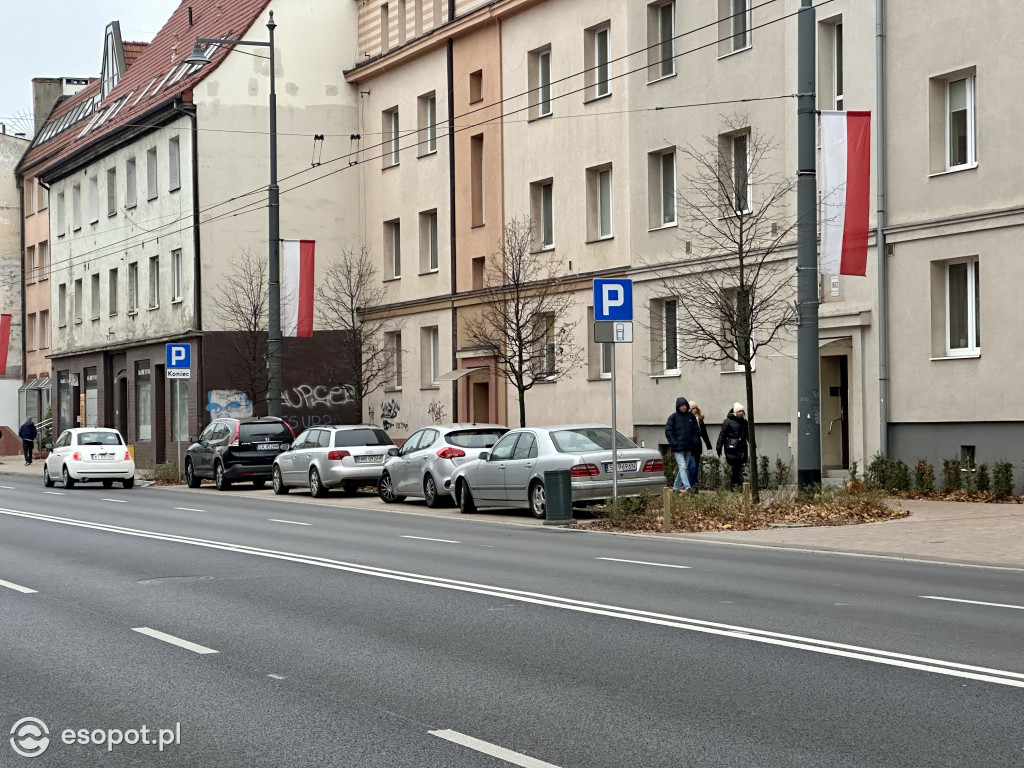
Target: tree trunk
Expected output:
[755,487]
[522,407]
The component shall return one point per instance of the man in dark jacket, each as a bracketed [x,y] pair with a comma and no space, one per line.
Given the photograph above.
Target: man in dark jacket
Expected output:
[683,433]
[27,433]
[733,439]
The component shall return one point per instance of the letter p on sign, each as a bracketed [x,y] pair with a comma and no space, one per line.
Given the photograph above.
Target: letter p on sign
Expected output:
[613,300]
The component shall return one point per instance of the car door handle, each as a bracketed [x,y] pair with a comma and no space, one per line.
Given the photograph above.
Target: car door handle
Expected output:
[528,465]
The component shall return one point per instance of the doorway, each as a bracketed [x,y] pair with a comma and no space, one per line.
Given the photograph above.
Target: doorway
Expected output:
[121,414]
[835,411]
[480,403]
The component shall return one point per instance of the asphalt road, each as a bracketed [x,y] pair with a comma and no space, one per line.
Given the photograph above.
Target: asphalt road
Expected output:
[364,637]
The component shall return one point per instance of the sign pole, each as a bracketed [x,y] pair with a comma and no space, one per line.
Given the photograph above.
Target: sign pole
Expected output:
[615,432]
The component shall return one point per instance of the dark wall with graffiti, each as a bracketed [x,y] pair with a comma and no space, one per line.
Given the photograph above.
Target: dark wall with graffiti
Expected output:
[315,390]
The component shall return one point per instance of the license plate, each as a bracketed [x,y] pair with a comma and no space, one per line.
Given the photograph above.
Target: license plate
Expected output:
[103,457]
[369,459]
[268,446]
[624,466]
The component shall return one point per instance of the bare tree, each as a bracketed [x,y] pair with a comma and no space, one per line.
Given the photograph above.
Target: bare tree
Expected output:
[524,321]
[736,288]
[242,309]
[348,291]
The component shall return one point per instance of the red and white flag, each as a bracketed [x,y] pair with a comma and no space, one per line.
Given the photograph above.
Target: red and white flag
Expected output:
[845,192]
[297,287]
[5,341]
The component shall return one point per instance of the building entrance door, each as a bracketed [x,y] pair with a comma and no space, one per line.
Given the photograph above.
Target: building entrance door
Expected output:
[480,403]
[835,411]
[121,415]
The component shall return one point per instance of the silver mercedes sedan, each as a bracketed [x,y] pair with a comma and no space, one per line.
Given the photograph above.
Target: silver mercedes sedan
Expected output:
[511,474]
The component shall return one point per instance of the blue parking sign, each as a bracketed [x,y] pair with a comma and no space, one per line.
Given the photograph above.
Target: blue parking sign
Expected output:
[613,300]
[179,356]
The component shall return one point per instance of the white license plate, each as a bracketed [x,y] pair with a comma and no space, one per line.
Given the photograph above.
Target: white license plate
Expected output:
[103,457]
[268,447]
[369,459]
[624,466]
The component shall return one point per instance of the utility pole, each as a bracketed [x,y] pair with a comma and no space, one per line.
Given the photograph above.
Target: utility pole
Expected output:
[808,396]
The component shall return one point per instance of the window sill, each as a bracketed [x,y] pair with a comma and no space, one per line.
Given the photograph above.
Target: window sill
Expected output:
[392,389]
[428,153]
[389,166]
[744,49]
[151,199]
[95,319]
[65,325]
[477,225]
[605,377]
[78,321]
[94,222]
[602,97]
[150,309]
[391,279]
[968,356]
[133,313]
[175,189]
[661,78]
[43,279]
[76,230]
[428,272]
[666,375]
[735,370]
[431,387]
[112,314]
[671,225]
[176,301]
[601,239]
[536,118]
[958,169]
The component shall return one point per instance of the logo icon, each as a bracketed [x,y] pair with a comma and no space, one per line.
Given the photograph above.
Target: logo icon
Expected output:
[30,737]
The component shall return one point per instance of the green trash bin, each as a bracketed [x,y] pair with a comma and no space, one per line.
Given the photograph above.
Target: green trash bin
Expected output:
[558,492]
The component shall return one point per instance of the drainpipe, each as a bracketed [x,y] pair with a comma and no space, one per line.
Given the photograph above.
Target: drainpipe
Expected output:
[880,246]
[451,209]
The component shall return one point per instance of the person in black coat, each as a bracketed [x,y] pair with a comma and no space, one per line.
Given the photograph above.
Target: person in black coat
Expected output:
[683,434]
[733,440]
[702,437]
[27,433]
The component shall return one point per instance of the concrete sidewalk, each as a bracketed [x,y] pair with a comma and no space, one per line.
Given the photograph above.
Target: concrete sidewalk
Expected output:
[956,532]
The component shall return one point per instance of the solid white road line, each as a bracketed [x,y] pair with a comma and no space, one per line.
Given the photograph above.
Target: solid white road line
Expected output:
[7,487]
[767,637]
[116,501]
[290,522]
[173,640]
[425,538]
[973,602]
[641,562]
[493,750]
[189,509]
[54,493]
[276,677]
[16,587]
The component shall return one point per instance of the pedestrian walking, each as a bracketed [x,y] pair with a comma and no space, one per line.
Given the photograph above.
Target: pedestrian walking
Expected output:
[27,433]
[703,440]
[733,440]
[683,433]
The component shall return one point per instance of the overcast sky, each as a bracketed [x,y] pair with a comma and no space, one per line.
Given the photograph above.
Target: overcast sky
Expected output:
[63,38]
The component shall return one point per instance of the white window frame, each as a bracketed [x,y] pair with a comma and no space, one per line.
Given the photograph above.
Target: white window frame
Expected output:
[78,300]
[605,349]
[44,328]
[176,276]
[547,215]
[838,75]
[665,337]
[112,291]
[62,305]
[154,282]
[737,17]
[603,190]
[393,247]
[94,295]
[130,180]
[432,352]
[43,260]
[548,354]
[749,187]
[94,198]
[392,138]
[668,216]
[602,66]
[62,221]
[152,175]
[973,348]
[431,108]
[666,39]
[544,83]
[396,352]
[112,191]
[174,163]
[133,288]
[76,207]
[972,153]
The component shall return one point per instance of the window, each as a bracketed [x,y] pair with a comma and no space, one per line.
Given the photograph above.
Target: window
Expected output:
[385,28]
[670,336]
[30,332]
[479,273]
[430,356]
[154,282]
[542,203]
[174,163]
[43,260]
[540,83]
[476,86]
[94,199]
[738,325]
[112,291]
[599,208]
[42,196]
[143,401]
[30,264]
[389,127]
[179,410]
[129,180]
[661,175]
[78,299]
[544,355]
[597,47]
[733,26]
[427,114]
[960,123]
[393,248]
[76,207]
[176,275]
[94,295]
[111,192]
[963,316]
[837,66]
[736,149]
[476,173]
[599,361]
[133,287]
[396,355]
[61,220]
[661,40]
[428,241]
[62,305]
[401,20]
[151,175]
[44,329]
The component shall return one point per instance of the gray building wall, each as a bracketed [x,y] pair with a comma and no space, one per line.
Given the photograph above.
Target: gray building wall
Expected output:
[992,440]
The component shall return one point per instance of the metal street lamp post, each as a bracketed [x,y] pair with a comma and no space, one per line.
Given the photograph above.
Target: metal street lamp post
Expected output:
[200,57]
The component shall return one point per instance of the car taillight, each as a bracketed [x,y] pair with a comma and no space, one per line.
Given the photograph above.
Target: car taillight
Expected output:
[584,470]
[451,453]
[127,456]
[654,465]
[337,455]
[234,440]
[76,456]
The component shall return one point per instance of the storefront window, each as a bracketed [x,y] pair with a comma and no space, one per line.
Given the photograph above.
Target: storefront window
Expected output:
[63,400]
[91,415]
[143,401]
[179,410]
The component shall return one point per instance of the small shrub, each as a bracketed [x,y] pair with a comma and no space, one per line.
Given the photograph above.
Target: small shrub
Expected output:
[1002,479]
[764,477]
[983,481]
[711,473]
[781,478]
[951,480]
[166,474]
[924,477]
[671,468]
[901,477]
[970,478]
[877,472]
[853,472]
[629,506]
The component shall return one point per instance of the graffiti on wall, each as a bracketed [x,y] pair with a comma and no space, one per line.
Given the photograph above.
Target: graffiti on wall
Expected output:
[314,395]
[388,413]
[436,411]
[228,403]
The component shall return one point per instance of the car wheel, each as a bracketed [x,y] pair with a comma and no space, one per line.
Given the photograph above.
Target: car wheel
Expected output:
[65,476]
[129,483]
[349,488]
[47,480]
[430,492]
[466,504]
[108,483]
[538,501]
[257,484]
[316,487]
[279,487]
[190,475]
[218,477]
[386,489]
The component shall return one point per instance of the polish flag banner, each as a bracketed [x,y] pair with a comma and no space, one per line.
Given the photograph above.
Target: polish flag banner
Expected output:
[297,286]
[5,341]
[845,192]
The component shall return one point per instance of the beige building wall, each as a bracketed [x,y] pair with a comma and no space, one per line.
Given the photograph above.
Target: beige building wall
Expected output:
[37,287]
[11,150]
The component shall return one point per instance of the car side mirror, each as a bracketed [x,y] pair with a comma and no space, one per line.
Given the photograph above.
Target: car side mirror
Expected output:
[392,451]
[49,446]
[194,438]
[484,455]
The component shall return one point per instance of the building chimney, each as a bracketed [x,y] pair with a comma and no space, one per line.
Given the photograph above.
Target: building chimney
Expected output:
[45,92]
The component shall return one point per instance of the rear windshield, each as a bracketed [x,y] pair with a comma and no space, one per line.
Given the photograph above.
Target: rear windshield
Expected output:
[475,438]
[348,438]
[264,433]
[99,438]
[588,439]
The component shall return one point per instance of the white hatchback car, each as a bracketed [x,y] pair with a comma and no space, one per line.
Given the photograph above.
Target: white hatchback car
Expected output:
[85,454]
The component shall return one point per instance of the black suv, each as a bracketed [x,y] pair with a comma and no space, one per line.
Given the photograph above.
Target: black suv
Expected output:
[237,450]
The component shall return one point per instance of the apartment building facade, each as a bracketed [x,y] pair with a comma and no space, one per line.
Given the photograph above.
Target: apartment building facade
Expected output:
[11,294]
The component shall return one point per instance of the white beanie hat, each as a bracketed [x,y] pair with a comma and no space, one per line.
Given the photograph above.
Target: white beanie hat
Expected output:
[738,407]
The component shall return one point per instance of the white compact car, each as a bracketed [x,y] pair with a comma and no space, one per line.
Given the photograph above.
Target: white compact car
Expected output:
[84,454]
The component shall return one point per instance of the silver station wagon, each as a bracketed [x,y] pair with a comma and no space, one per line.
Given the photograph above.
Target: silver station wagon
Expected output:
[328,457]
[511,474]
